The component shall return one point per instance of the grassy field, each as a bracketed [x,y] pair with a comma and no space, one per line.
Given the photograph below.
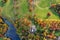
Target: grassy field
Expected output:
[41,9]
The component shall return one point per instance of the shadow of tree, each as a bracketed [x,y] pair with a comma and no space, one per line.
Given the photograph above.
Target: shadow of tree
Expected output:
[46,17]
[54,12]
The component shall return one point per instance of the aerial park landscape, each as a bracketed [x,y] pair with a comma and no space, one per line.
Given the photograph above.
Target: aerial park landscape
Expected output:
[29,19]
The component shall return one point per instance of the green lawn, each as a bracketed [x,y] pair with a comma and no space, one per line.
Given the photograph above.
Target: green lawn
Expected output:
[41,9]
